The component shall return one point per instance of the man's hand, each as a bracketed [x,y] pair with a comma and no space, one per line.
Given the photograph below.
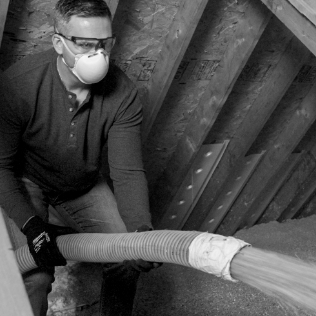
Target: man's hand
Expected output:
[41,239]
[140,264]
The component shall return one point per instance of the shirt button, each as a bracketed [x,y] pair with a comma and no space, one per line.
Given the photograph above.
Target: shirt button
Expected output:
[71,109]
[72,135]
[73,123]
[70,96]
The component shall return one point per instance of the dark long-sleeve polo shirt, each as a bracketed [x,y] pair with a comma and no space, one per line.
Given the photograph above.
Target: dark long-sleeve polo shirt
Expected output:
[59,146]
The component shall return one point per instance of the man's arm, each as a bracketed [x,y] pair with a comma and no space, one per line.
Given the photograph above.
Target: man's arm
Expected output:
[126,166]
[12,200]
[41,237]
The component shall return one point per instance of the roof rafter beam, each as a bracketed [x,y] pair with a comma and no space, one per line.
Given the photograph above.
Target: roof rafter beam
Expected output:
[247,33]
[176,44]
[307,8]
[299,22]
[267,100]
[113,5]
[13,297]
[244,213]
[4,5]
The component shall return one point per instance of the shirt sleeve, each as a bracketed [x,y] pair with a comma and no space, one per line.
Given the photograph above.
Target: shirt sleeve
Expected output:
[12,200]
[126,166]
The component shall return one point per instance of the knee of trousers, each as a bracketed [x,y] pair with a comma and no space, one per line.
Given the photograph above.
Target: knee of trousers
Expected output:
[38,281]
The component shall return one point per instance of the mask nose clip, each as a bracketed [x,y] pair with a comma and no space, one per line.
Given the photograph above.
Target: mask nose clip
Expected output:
[92,55]
[99,51]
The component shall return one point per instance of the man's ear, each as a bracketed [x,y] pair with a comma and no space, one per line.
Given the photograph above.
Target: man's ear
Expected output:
[58,44]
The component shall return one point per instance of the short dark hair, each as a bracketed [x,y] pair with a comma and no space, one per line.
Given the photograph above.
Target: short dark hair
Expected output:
[65,9]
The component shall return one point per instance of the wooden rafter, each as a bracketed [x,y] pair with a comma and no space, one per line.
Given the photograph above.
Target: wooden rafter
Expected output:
[301,25]
[176,43]
[13,297]
[113,5]
[307,8]
[193,185]
[4,5]
[269,209]
[285,71]
[306,189]
[246,36]
[241,213]
[238,179]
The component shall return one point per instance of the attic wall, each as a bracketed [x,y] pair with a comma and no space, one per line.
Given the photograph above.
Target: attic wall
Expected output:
[194,74]
[266,89]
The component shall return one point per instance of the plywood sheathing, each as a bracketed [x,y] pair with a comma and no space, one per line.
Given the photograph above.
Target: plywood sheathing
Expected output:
[240,45]
[209,43]
[287,107]
[141,27]
[308,208]
[290,189]
[4,5]
[251,81]
[13,296]
[243,212]
[297,21]
[276,60]
[28,30]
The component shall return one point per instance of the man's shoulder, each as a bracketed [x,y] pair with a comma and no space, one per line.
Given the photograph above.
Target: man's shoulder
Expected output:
[117,72]
[116,81]
[31,64]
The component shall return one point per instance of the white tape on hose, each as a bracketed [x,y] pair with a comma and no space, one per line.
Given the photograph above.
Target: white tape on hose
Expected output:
[213,254]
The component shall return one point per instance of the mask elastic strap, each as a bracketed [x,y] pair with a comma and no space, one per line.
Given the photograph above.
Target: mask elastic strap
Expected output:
[75,56]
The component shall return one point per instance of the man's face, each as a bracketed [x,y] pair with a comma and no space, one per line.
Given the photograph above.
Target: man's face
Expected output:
[88,27]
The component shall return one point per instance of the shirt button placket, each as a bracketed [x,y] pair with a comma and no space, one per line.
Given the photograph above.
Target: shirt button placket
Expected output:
[72,134]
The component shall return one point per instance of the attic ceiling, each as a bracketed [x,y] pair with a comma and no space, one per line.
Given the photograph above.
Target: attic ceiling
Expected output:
[229,96]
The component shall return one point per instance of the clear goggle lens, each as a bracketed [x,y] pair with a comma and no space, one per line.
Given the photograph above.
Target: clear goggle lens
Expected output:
[87,45]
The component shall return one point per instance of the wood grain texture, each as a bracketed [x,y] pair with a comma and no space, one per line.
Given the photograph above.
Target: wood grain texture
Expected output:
[277,196]
[241,45]
[302,27]
[170,56]
[13,297]
[4,4]
[306,8]
[291,135]
[265,103]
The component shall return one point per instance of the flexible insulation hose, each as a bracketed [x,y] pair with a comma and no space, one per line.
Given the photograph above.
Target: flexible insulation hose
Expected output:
[290,280]
[207,252]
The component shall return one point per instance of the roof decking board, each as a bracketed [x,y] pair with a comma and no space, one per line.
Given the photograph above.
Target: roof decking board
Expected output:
[239,48]
[288,192]
[3,15]
[295,21]
[206,48]
[244,210]
[267,100]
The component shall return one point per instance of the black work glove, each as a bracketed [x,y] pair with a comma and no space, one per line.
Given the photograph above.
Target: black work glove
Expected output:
[140,264]
[41,239]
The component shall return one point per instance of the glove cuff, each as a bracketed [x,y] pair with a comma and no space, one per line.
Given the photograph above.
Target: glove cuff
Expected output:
[32,221]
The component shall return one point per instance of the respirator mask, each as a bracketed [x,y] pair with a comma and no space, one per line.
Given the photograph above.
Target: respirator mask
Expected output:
[92,63]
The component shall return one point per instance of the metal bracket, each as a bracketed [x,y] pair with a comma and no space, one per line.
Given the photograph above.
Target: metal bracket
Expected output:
[193,185]
[226,199]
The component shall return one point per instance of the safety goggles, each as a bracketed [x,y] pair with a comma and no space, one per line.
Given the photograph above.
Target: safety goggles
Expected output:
[85,44]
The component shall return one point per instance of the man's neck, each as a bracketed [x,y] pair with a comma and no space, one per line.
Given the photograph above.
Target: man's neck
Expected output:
[70,81]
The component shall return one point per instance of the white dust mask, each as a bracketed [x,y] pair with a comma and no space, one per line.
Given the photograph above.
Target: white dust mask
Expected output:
[90,67]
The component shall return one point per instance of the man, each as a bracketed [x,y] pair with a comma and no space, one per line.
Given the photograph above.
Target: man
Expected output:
[71,101]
